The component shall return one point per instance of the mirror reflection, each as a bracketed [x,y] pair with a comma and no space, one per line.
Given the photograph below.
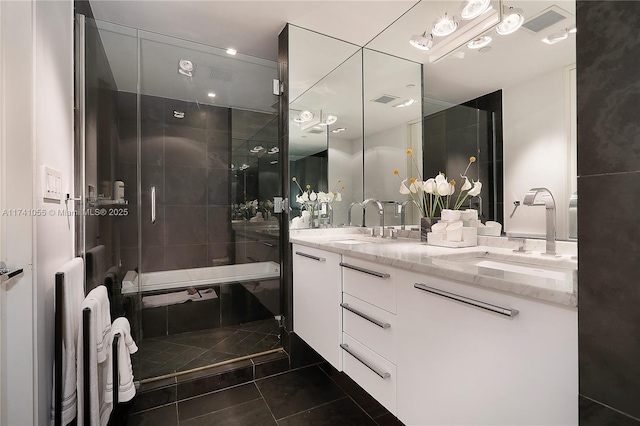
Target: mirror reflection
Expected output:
[508,101]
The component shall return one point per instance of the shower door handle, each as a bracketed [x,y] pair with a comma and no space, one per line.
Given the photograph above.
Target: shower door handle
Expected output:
[153,204]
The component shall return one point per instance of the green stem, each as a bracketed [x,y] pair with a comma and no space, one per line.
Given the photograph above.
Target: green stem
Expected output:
[457,206]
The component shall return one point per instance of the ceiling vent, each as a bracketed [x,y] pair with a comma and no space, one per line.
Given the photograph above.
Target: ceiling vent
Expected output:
[220,74]
[545,19]
[385,99]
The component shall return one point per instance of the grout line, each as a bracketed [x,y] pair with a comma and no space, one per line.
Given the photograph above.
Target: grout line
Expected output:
[630,172]
[317,406]
[217,411]
[265,402]
[290,370]
[609,407]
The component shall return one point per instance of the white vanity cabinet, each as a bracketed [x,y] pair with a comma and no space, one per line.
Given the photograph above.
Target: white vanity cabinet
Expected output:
[459,363]
[369,328]
[317,294]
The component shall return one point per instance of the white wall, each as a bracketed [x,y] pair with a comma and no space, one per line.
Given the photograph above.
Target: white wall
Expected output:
[536,151]
[37,41]
[345,163]
[53,148]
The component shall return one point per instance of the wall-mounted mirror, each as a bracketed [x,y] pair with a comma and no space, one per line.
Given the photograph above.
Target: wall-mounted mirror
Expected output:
[325,124]
[533,72]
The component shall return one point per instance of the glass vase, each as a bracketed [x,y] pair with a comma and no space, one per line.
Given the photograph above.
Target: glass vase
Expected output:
[425,226]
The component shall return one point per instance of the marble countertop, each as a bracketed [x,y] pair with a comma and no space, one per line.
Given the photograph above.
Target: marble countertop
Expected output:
[557,283]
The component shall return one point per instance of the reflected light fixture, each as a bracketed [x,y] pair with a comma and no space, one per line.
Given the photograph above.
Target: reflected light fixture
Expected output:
[274,150]
[178,114]
[513,18]
[422,41]
[273,162]
[479,42]
[231,51]
[444,26]
[405,103]
[244,167]
[331,119]
[256,149]
[471,9]
[306,116]
[338,130]
[211,95]
[556,37]
[185,67]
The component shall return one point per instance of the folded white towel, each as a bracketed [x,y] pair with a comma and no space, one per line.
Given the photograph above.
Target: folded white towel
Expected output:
[177,297]
[73,291]
[126,347]
[99,348]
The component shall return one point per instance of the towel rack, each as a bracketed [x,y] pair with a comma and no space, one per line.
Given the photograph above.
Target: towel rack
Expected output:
[86,324]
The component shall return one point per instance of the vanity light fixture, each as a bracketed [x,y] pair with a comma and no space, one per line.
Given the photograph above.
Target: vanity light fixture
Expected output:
[444,25]
[513,18]
[479,42]
[471,9]
[211,95]
[186,67]
[178,114]
[231,51]
[338,130]
[422,41]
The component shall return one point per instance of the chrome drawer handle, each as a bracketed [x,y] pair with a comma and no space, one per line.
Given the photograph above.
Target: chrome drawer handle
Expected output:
[382,374]
[379,323]
[366,271]
[310,256]
[486,306]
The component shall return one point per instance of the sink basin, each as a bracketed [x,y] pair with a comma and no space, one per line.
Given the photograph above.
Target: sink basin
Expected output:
[553,268]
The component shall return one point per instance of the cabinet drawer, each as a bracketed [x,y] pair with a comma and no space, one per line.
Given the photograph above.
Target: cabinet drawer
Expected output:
[372,282]
[372,326]
[359,363]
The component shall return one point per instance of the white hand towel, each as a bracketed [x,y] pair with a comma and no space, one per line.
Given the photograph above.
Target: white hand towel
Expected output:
[99,339]
[126,347]
[73,295]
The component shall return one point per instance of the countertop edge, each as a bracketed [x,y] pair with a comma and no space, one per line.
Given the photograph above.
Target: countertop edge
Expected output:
[557,297]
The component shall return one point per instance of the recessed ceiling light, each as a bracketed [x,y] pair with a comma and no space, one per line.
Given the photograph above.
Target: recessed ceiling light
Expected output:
[405,103]
[331,119]
[479,42]
[444,26]
[178,114]
[231,51]
[422,41]
[513,19]
[338,130]
[211,95]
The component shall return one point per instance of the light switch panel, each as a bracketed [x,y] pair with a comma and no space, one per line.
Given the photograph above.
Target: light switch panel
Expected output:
[51,185]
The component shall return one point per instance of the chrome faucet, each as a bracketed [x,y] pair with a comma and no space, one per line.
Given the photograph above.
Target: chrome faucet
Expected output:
[403,214]
[368,201]
[351,206]
[550,205]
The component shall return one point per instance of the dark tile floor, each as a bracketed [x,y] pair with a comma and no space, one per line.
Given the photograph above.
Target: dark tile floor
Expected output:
[181,352]
[315,395]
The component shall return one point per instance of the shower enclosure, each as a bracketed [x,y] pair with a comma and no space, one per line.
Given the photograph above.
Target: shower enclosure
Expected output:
[190,251]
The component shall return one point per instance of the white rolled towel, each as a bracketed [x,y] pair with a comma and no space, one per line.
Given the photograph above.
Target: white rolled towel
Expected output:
[126,347]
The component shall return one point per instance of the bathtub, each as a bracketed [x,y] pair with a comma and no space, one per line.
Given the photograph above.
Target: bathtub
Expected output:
[199,277]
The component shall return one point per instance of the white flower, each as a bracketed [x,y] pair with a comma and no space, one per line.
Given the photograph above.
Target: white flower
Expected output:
[305,197]
[466,185]
[452,189]
[299,199]
[338,196]
[440,178]
[443,188]
[406,188]
[429,186]
[313,196]
[477,187]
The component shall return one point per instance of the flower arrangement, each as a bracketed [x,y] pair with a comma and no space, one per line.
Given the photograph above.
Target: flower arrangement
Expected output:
[307,197]
[436,193]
